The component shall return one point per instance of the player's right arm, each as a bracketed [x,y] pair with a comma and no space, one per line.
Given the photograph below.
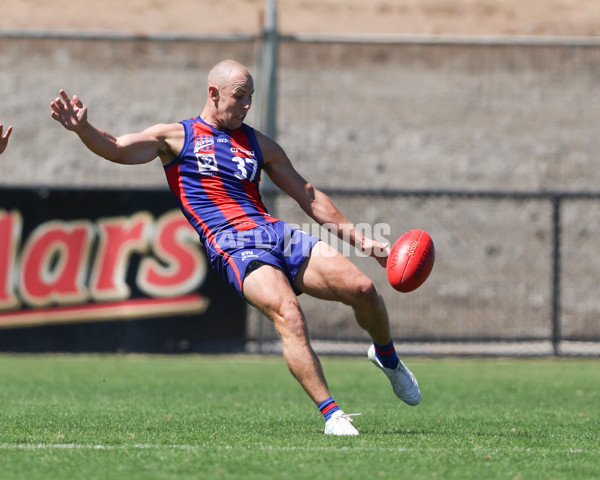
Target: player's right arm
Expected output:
[163,140]
[315,203]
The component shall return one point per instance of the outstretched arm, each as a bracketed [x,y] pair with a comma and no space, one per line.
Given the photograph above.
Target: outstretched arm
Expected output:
[162,140]
[4,138]
[314,202]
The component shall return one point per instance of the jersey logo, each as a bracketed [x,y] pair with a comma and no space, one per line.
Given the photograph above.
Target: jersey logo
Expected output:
[204,148]
[207,164]
[204,143]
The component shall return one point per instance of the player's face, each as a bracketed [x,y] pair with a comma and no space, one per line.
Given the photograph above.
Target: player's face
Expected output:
[235,101]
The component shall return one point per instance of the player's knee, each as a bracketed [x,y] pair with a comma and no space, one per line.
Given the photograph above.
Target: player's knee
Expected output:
[364,293]
[289,320]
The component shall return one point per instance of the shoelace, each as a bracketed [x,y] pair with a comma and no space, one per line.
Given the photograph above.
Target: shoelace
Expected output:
[348,415]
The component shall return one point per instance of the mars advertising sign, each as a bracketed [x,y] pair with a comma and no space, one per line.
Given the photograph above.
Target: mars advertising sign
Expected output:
[98,270]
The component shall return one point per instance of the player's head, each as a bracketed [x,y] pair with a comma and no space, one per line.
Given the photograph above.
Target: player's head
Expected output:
[230,90]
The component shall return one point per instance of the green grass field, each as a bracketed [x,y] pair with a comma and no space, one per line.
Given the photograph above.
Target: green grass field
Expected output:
[244,417]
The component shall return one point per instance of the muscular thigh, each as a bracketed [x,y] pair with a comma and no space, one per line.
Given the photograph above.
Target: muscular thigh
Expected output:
[269,290]
[327,274]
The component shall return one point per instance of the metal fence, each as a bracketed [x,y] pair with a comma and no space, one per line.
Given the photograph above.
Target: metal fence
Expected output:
[516,274]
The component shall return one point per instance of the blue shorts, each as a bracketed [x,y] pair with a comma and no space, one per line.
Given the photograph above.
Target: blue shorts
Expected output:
[277,244]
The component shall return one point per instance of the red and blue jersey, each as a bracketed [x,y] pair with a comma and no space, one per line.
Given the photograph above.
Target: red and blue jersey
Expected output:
[215,178]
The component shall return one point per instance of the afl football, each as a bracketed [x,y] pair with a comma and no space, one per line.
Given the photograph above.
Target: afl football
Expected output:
[410,260]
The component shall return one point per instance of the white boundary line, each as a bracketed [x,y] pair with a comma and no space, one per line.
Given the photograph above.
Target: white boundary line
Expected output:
[138,446]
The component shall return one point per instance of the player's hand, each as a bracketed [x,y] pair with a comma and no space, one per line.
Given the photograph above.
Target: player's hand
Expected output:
[70,113]
[4,138]
[379,250]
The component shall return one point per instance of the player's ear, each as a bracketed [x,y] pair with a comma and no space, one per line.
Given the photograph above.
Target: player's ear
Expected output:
[213,93]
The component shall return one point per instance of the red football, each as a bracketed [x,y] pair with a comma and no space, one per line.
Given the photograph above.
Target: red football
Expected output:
[410,261]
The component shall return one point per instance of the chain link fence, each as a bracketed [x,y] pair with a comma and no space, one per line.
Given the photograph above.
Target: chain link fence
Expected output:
[515,274]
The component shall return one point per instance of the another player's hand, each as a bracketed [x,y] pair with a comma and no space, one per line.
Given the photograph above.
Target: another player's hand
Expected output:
[70,113]
[4,138]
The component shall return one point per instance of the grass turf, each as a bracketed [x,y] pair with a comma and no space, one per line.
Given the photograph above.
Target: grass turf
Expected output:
[231,417]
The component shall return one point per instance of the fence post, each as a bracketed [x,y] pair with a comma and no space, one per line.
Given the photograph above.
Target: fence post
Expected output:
[270,59]
[268,115]
[556,264]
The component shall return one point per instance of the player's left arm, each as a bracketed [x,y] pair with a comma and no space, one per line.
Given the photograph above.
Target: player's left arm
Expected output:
[314,202]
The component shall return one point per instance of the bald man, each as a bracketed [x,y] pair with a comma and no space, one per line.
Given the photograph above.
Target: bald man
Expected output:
[213,164]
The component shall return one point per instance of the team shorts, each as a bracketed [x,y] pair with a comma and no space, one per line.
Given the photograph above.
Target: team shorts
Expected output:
[278,244]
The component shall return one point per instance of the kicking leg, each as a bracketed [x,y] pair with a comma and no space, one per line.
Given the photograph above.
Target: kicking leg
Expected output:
[329,275]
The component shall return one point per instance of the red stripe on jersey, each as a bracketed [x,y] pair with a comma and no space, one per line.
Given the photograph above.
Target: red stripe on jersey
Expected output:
[174,180]
[238,141]
[172,172]
[231,210]
[251,189]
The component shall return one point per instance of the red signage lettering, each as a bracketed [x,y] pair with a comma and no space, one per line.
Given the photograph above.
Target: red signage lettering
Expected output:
[120,237]
[70,262]
[53,263]
[180,266]
[10,231]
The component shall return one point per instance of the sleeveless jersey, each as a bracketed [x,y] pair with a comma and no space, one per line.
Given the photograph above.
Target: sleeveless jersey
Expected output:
[215,179]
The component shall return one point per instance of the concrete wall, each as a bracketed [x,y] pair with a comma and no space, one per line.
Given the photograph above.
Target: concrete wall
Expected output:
[400,116]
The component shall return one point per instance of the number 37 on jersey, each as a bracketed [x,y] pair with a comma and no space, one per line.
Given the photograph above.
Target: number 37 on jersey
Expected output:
[246,167]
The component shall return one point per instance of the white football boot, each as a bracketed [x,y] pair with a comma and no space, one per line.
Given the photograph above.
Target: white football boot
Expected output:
[402,379]
[340,423]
